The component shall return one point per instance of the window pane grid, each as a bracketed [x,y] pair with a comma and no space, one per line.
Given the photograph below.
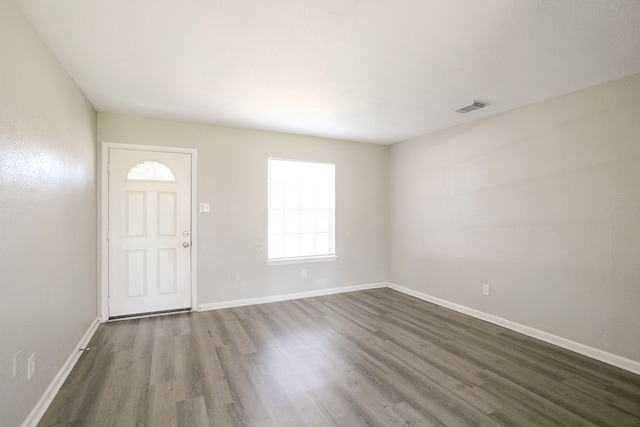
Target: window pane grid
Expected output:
[301,209]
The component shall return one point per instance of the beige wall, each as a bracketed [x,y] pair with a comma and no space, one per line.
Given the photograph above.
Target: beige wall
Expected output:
[232,172]
[541,203]
[47,214]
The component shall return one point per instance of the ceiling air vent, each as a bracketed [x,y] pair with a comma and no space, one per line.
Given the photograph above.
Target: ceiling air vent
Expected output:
[475,105]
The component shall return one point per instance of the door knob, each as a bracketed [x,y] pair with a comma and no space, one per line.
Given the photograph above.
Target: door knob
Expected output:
[185,244]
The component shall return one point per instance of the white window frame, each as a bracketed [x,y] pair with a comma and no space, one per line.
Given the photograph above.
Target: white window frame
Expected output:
[331,256]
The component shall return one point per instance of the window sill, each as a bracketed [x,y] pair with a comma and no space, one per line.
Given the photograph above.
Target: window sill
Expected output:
[301,260]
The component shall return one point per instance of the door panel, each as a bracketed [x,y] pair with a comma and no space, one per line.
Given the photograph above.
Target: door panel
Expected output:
[149,231]
[136,273]
[167,210]
[136,209]
[167,271]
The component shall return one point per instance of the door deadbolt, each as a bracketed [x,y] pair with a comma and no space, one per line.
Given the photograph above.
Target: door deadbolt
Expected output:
[185,233]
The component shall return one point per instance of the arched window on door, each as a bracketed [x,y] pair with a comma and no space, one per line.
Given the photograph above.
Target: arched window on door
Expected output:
[150,171]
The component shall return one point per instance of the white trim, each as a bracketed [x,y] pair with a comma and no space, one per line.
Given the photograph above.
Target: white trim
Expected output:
[103,290]
[301,260]
[585,350]
[103,282]
[50,393]
[287,297]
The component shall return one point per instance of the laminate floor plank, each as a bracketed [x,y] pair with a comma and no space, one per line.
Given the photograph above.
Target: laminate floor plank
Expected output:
[237,336]
[519,402]
[144,336]
[367,358]
[243,391]
[162,360]
[275,365]
[208,328]
[604,395]
[310,306]
[193,412]
[77,399]
[163,403]
[355,315]
[416,379]
[576,401]
[272,390]
[447,385]
[450,363]
[128,412]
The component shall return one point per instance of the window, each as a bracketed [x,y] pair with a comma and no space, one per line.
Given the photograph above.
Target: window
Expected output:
[301,221]
[150,171]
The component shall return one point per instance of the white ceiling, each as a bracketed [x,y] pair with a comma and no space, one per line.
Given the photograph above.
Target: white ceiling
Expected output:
[377,71]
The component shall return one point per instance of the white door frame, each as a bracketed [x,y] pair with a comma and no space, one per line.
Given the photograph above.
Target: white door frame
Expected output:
[103,291]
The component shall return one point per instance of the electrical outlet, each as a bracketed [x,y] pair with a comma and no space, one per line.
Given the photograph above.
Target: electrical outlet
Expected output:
[485,289]
[304,273]
[31,366]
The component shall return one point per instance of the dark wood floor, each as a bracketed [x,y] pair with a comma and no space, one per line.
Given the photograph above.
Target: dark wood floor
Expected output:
[365,358]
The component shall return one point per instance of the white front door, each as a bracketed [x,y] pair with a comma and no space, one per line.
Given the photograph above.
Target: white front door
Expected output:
[149,231]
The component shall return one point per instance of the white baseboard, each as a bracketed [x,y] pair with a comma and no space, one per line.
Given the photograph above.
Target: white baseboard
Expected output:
[287,297]
[41,407]
[592,352]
